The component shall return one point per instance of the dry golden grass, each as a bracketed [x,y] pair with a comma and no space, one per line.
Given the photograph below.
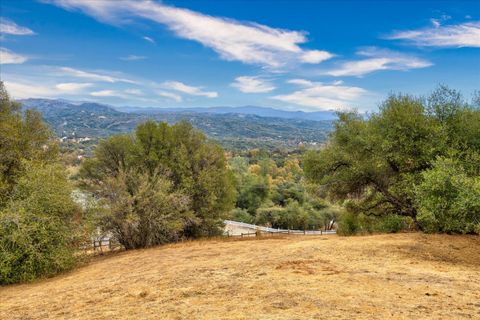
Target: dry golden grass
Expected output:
[403,276]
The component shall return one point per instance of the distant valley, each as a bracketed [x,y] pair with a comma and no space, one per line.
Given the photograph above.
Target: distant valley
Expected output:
[236,128]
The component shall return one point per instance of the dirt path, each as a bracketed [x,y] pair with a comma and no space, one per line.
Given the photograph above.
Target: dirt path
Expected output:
[404,276]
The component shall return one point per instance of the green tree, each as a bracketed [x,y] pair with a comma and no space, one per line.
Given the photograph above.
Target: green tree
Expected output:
[373,163]
[144,210]
[23,136]
[449,199]
[40,226]
[196,168]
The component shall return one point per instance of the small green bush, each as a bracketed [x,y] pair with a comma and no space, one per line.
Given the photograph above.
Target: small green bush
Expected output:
[393,223]
[348,224]
[241,215]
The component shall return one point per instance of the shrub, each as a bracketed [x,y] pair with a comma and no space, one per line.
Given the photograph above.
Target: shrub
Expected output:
[40,226]
[144,210]
[448,199]
[393,223]
[348,224]
[241,215]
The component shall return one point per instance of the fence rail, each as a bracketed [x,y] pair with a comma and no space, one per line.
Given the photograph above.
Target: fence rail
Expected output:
[106,243]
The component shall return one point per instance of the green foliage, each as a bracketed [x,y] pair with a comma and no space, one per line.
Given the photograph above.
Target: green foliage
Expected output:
[348,225]
[273,193]
[374,163]
[40,226]
[241,215]
[192,166]
[23,136]
[448,198]
[144,210]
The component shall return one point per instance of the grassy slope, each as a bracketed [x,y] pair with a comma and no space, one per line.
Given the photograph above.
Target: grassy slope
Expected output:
[375,277]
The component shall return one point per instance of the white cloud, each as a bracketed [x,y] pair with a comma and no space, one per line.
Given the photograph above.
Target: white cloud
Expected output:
[136,92]
[132,57]
[447,36]
[10,27]
[29,89]
[249,84]
[9,57]
[105,93]
[247,42]
[151,40]
[19,90]
[191,90]
[315,56]
[170,95]
[320,96]
[72,86]
[92,76]
[376,60]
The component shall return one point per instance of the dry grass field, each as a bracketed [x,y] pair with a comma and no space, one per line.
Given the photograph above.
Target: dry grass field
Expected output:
[402,276]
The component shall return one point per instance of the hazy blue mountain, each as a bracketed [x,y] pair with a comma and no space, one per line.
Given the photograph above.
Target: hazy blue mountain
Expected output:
[253,110]
[234,130]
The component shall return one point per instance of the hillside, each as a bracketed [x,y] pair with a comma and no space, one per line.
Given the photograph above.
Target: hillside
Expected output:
[397,276]
[235,130]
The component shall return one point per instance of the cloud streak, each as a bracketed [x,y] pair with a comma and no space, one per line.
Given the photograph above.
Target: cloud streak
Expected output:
[133,57]
[376,60]
[320,96]
[191,90]
[72,86]
[248,42]
[170,95]
[248,84]
[93,76]
[10,57]
[447,36]
[9,27]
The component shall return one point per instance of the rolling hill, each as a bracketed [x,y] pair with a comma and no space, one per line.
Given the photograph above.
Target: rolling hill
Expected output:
[239,129]
[395,276]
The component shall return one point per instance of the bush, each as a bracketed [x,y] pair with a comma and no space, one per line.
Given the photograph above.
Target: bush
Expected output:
[393,223]
[144,210]
[40,226]
[241,215]
[348,224]
[448,199]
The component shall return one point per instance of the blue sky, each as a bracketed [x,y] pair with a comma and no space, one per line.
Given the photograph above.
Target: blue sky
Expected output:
[296,55]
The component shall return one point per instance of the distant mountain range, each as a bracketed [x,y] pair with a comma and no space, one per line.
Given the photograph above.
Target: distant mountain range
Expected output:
[234,128]
[253,110]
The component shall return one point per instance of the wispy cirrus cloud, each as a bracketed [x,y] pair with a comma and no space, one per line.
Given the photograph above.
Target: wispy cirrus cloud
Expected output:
[10,57]
[149,39]
[249,84]
[233,40]
[93,76]
[133,57]
[106,93]
[170,95]
[72,86]
[443,36]
[9,27]
[320,96]
[191,90]
[27,89]
[376,60]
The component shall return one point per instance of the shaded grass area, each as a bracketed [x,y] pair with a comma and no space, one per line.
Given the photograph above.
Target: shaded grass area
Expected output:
[298,277]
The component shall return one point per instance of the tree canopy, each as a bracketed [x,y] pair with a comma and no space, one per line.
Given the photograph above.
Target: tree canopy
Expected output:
[177,159]
[373,163]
